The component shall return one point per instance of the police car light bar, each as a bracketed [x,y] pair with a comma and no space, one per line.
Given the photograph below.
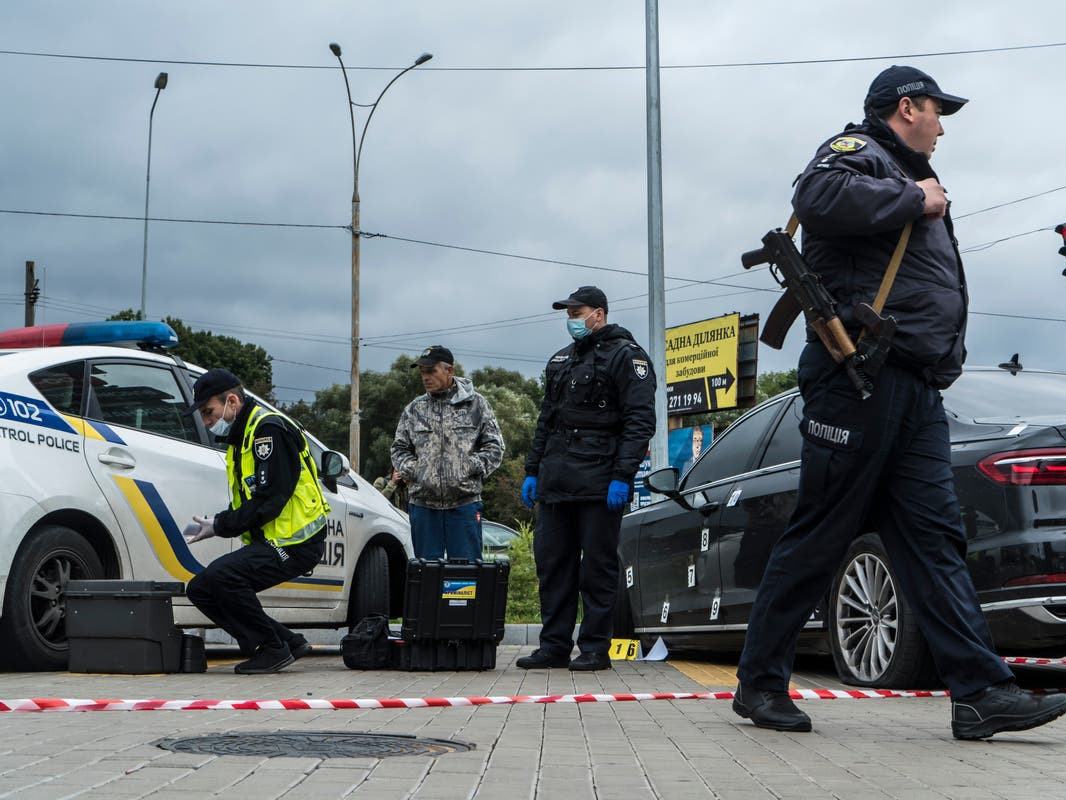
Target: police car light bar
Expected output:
[150,334]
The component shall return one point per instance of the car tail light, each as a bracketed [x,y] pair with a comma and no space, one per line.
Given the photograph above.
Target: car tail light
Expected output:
[1036,580]
[1026,467]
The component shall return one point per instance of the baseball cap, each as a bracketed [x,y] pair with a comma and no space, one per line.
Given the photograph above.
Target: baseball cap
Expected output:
[590,296]
[434,354]
[211,384]
[896,82]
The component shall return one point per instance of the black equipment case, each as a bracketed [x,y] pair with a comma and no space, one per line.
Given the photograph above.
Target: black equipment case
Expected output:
[454,613]
[123,626]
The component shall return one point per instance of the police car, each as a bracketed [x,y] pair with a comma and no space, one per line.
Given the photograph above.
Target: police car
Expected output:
[100,471]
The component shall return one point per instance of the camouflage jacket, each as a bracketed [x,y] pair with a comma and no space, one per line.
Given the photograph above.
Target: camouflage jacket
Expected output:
[446,445]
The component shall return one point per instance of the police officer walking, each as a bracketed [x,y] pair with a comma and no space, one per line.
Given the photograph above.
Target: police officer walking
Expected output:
[883,463]
[277,509]
[596,419]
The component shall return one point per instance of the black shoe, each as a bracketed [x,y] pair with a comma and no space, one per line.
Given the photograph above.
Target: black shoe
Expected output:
[299,646]
[540,659]
[267,660]
[590,661]
[1002,707]
[774,710]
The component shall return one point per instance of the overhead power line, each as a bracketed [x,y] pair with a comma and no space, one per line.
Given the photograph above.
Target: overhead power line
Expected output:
[371,235]
[570,68]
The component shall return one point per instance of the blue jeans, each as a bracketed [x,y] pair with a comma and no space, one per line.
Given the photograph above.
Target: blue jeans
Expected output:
[455,530]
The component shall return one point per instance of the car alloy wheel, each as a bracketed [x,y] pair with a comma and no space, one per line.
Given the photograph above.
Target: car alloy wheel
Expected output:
[867,616]
[873,634]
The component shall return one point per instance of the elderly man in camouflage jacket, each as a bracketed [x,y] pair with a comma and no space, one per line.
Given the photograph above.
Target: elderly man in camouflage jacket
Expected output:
[447,442]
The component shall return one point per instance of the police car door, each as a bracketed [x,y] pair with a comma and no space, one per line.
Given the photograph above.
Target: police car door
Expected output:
[302,599]
[154,466]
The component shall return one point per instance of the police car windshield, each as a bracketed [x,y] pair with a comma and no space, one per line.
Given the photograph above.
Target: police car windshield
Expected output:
[995,394]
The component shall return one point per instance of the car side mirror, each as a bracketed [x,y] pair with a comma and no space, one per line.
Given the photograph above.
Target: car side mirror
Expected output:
[332,465]
[663,481]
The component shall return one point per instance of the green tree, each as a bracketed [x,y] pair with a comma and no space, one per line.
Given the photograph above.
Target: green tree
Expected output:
[249,362]
[327,417]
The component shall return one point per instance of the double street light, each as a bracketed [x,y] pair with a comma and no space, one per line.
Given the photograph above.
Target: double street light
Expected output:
[357,150]
[160,85]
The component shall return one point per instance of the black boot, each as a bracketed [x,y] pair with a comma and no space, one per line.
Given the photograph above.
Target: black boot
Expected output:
[590,661]
[542,659]
[1002,707]
[267,660]
[767,709]
[299,646]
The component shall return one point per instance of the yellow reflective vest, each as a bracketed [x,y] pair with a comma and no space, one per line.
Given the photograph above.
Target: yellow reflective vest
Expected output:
[305,513]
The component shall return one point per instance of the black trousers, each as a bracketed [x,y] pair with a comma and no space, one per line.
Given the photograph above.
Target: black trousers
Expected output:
[575,545]
[887,458]
[225,592]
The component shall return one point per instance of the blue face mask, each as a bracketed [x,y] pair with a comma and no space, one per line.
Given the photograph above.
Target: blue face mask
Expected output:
[576,327]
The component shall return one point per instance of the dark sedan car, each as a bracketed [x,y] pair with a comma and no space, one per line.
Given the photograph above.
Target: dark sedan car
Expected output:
[691,564]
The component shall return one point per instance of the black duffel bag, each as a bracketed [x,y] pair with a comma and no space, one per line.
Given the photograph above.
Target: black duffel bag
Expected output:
[367,646]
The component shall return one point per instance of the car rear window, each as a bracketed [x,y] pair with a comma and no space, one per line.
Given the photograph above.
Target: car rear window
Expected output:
[996,394]
[62,386]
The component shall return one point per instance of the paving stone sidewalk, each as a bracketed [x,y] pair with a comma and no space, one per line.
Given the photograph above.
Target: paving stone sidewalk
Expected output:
[658,749]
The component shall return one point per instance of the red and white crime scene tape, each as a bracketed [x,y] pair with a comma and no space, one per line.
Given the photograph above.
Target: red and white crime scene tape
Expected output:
[305,704]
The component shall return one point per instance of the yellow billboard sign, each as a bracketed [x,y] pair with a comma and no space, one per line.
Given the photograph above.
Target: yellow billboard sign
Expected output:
[701,365]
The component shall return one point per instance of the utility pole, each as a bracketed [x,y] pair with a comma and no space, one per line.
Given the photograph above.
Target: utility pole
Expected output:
[33,293]
[656,280]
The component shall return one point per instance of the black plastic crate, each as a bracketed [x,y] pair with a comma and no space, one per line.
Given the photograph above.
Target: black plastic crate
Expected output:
[123,626]
[455,654]
[455,600]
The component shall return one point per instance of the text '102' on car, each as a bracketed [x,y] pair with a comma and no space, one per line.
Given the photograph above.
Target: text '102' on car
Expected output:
[101,469]
[690,565]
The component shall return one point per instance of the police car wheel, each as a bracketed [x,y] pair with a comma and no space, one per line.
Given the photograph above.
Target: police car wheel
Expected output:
[873,634]
[33,627]
[370,585]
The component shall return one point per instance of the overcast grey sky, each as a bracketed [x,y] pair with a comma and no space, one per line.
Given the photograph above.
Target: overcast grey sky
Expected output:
[544,163]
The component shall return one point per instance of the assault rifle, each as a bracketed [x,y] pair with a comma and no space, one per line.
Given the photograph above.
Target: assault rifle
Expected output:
[804,292]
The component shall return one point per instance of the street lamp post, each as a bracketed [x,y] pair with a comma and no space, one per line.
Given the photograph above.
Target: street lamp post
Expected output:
[357,151]
[160,85]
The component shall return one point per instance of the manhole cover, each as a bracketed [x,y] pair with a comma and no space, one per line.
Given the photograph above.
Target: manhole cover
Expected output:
[316,744]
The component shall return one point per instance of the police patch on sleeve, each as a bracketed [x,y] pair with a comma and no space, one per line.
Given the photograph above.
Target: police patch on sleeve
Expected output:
[847,144]
[640,367]
[263,447]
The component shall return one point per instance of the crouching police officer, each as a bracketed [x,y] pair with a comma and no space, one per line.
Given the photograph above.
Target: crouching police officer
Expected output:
[277,509]
[596,418]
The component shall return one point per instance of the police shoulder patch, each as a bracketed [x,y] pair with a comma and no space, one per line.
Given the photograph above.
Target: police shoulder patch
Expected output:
[847,144]
[263,447]
[558,358]
[640,367]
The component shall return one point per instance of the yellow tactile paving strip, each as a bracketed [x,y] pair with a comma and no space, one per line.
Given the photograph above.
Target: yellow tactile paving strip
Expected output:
[709,674]
[722,676]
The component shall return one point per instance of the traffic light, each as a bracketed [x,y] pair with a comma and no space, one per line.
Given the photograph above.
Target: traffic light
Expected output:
[1061,230]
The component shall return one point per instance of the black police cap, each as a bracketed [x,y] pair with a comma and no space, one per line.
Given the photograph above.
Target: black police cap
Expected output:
[896,82]
[590,296]
[211,384]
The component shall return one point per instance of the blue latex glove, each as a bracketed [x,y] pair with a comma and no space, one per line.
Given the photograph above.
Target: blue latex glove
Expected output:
[529,491]
[617,495]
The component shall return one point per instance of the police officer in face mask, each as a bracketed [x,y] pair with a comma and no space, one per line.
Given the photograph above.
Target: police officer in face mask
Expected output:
[277,509]
[596,419]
